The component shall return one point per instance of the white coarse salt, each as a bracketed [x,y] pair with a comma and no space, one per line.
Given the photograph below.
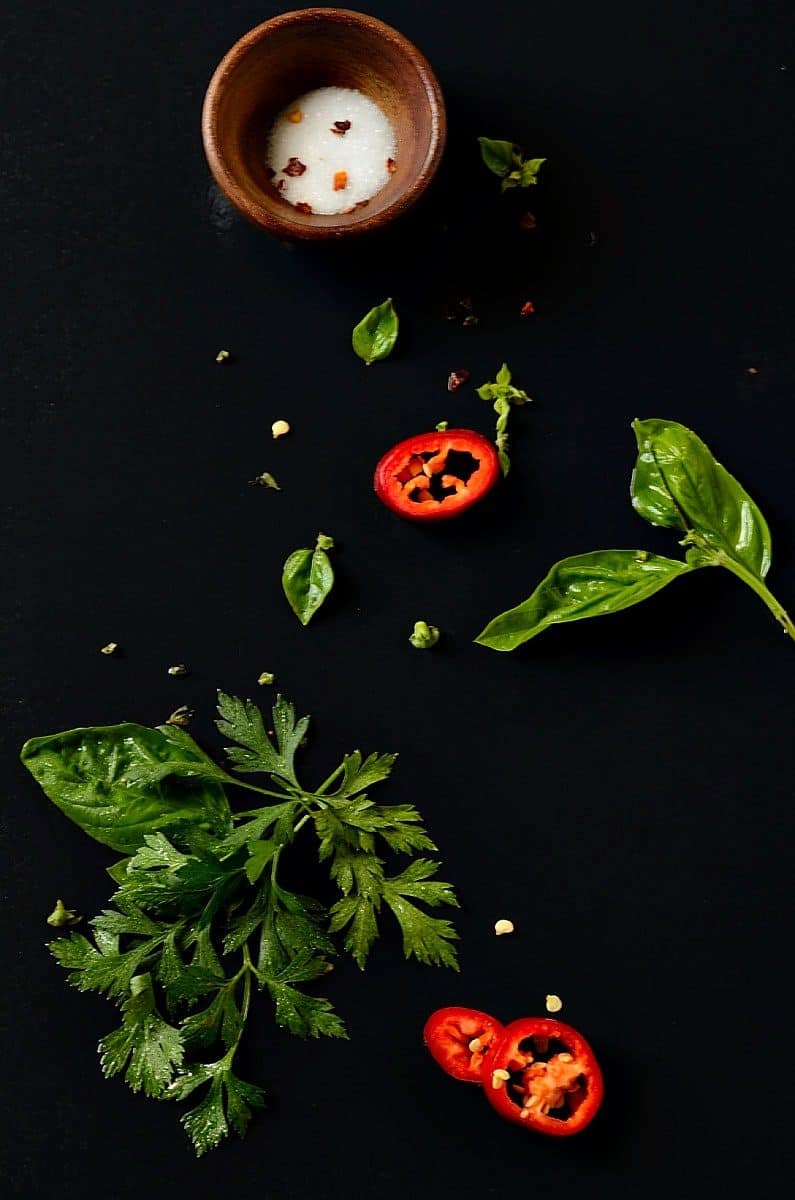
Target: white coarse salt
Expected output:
[337,154]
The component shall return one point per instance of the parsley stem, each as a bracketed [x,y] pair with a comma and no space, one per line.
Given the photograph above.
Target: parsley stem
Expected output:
[328,782]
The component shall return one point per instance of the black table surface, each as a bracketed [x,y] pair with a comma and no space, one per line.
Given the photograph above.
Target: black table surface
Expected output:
[621,789]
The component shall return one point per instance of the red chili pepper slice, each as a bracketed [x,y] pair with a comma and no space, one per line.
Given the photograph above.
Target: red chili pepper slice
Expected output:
[434,476]
[543,1074]
[459,1039]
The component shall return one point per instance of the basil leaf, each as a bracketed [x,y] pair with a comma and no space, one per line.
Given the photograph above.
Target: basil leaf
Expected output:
[678,483]
[497,155]
[587,585]
[90,775]
[307,578]
[375,336]
[530,169]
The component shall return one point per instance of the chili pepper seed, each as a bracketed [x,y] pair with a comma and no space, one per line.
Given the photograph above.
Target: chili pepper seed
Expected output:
[499,1077]
[279,428]
[554,1003]
[503,926]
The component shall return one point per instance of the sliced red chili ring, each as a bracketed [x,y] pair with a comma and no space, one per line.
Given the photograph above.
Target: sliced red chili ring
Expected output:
[459,1039]
[543,1074]
[434,476]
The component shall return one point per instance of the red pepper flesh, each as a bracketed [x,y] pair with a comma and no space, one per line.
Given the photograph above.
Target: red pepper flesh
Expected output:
[553,1085]
[459,1039]
[434,476]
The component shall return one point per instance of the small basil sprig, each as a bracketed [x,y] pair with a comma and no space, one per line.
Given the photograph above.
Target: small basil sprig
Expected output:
[375,336]
[308,577]
[677,483]
[504,394]
[506,160]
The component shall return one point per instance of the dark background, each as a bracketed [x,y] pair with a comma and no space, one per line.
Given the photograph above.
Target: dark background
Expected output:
[620,788]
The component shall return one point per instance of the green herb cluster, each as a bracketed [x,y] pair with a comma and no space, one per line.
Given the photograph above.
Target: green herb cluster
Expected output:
[679,484]
[507,161]
[504,394]
[201,925]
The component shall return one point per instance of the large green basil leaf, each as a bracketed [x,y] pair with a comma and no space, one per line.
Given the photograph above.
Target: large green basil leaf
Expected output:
[587,585]
[677,482]
[98,778]
[307,578]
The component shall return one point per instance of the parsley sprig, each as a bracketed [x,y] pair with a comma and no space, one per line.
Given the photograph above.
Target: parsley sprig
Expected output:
[201,921]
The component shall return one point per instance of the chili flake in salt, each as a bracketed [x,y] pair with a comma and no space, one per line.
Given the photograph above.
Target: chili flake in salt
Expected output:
[339,153]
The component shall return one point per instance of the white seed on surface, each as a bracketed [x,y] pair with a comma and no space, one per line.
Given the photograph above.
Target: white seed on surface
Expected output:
[279,428]
[499,1077]
[475,1045]
[554,1003]
[503,926]
[565,1057]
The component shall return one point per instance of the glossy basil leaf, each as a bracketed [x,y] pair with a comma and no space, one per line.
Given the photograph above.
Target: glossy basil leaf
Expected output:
[88,773]
[375,336]
[497,155]
[678,483]
[307,578]
[587,585]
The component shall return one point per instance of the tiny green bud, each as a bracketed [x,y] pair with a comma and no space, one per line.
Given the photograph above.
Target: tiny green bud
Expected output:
[61,915]
[442,426]
[324,542]
[424,636]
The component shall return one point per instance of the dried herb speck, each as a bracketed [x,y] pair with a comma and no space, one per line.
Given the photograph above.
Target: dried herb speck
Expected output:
[341,127]
[181,716]
[294,168]
[456,378]
[266,480]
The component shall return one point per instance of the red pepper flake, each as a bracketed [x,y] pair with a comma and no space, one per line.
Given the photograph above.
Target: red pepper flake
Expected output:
[391,166]
[527,309]
[303,207]
[456,378]
[340,127]
[294,167]
[340,181]
[527,221]
[279,185]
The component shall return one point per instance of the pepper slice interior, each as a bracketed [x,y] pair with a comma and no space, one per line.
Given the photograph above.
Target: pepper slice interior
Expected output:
[543,1074]
[459,1040]
[434,476]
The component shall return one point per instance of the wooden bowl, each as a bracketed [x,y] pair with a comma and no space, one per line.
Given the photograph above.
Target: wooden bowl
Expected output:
[292,54]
